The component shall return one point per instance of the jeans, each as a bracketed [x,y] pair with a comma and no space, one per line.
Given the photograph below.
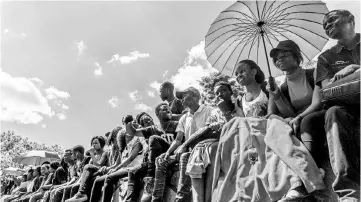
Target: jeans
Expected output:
[70,191]
[343,138]
[56,195]
[110,182]
[135,176]
[184,184]
[87,178]
[313,135]
[157,146]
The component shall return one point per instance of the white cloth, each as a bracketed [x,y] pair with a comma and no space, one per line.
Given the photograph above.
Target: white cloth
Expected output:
[190,123]
[261,99]
[128,150]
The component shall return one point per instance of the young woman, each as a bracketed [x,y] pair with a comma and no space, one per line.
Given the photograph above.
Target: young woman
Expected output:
[257,158]
[99,158]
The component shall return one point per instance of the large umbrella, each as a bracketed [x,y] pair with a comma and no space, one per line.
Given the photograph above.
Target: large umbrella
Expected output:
[250,29]
[13,171]
[36,157]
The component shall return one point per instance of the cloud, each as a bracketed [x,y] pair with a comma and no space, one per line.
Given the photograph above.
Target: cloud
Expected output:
[150,93]
[155,85]
[99,70]
[114,102]
[53,93]
[36,81]
[81,47]
[142,107]
[22,101]
[12,35]
[43,125]
[193,69]
[133,56]
[165,73]
[134,96]
[61,116]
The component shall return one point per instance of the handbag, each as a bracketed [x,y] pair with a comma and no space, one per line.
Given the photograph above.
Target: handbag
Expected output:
[345,91]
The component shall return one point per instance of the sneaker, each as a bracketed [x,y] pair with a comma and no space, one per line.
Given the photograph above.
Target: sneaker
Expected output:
[348,199]
[297,195]
[78,198]
[148,189]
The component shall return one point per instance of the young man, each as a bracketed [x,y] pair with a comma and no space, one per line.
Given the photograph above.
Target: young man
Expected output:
[342,122]
[188,124]
[167,93]
[81,161]
[201,170]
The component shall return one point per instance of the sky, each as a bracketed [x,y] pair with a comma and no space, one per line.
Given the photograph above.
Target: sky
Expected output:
[72,70]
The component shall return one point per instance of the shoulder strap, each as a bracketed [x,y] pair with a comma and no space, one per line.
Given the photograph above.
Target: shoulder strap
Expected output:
[310,78]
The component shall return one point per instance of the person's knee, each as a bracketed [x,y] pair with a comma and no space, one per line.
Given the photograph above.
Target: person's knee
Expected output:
[333,112]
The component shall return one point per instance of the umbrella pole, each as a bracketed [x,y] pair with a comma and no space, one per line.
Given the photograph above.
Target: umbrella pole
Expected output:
[271,80]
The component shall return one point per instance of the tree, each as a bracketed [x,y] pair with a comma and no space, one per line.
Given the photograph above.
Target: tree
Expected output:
[207,83]
[13,145]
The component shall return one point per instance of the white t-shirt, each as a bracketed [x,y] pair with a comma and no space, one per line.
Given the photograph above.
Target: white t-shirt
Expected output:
[190,123]
[261,101]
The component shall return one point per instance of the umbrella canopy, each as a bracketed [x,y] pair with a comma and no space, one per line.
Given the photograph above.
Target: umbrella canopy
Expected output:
[250,29]
[13,171]
[36,157]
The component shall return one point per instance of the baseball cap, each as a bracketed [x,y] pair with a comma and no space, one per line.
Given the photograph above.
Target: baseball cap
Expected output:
[287,45]
[180,94]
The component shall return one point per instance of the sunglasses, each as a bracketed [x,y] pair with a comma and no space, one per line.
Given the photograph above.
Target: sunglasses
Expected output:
[283,56]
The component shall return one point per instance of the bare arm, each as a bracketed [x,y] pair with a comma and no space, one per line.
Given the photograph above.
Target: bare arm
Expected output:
[176,117]
[102,159]
[176,143]
[133,155]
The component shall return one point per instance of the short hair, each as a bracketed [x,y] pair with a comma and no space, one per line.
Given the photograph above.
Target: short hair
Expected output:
[224,83]
[68,151]
[101,140]
[157,108]
[31,170]
[342,12]
[107,134]
[79,148]
[260,78]
[128,118]
[25,176]
[45,162]
[167,85]
[38,169]
[54,165]
[140,115]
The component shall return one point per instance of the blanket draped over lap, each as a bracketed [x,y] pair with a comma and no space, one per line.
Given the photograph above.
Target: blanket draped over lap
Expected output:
[260,160]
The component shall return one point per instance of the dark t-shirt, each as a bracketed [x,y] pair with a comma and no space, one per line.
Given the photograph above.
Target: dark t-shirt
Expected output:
[169,128]
[176,106]
[335,59]
[151,130]
[60,176]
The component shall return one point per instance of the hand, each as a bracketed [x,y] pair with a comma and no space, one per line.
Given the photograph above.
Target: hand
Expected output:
[345,72]
[215,126]
[276,93]
[166,155]
[111,171]
[179,152]
[295,124]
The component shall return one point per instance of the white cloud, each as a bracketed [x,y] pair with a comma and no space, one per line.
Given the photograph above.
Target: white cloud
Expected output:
[61,116]
[22,101]
[134,96]
[150,93]
[99,70]
[43,125]
[36,81]
[114,102]
[165,73]
[133,56]
[81,47]
[12,35]
[194,68]
[142,107]
[155,85]
[53,93]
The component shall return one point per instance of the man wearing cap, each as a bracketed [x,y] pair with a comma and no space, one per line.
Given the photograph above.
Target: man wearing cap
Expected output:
[342,122]
[167,93]
[188,124]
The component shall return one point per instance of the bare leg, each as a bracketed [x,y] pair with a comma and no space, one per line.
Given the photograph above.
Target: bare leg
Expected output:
[198,189]
[210,171]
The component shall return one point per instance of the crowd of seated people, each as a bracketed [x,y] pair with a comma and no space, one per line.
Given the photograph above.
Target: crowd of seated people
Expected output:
[264,145]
